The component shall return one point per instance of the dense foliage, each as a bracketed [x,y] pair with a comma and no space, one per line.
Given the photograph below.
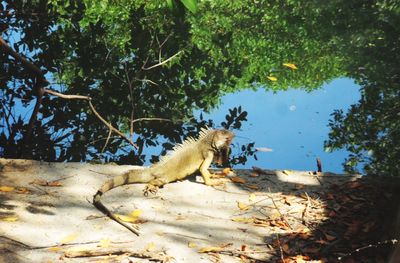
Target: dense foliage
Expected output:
[109,50]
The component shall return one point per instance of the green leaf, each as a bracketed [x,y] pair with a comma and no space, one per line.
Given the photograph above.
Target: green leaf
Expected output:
[191,5]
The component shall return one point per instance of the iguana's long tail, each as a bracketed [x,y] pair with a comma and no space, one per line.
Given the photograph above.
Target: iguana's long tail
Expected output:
[133,176]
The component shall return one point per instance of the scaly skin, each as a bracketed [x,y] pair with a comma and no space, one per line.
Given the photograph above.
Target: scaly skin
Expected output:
[187,158]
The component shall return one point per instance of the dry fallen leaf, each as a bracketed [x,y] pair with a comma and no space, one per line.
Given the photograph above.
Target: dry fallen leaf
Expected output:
[54,249]
[243,220]
[6,188]
[22,190]
[9,218]
[252,197]
[104,243]
[252,186]
[132,217]
[69,238]
[209,249]
[299,186]
[238,179]
[47,183]
[355,184]
[192,245]
[150,247]
[242,206]
[329,237]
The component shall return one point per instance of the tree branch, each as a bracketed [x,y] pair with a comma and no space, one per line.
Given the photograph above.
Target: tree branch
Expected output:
[163,62]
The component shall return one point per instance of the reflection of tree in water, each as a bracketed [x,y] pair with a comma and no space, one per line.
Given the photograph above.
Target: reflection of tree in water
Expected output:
[139,60]
[370,129]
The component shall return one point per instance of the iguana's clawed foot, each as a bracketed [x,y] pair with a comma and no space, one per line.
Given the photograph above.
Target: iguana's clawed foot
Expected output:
[217,176]
[214,183]
[150,189]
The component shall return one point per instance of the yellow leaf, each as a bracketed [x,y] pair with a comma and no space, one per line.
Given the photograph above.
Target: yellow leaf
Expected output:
[9,218]
[54,248]
[192,245]
[209,249]
[150,247]
[136,213]
[69,238]
[242,206]
[104,243]
[252,197]
[6,188]
[242,220]
[271,78]
[131,218]
[290,65]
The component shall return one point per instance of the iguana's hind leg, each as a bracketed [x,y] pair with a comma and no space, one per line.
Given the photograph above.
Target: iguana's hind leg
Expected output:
[153,186]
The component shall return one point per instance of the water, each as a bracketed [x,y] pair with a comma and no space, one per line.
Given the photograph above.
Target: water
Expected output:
[292,123]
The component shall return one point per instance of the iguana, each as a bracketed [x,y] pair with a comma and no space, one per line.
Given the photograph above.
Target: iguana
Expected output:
[188,157]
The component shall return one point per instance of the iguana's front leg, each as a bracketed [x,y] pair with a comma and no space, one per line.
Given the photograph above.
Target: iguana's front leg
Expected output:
[204,170]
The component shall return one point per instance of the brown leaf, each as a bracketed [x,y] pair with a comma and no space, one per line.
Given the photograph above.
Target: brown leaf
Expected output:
[237,179]
[329,237]
[254,174]
[355,184]
[46,183]
[368,226]
[252,186]
[22,190]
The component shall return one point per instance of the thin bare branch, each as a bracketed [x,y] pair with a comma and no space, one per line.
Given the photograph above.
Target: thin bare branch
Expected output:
[64,96]
[108,139]
[147,80]
[151,119]
[163,62]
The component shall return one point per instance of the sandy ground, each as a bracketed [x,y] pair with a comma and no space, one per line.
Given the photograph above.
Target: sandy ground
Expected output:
[43,223]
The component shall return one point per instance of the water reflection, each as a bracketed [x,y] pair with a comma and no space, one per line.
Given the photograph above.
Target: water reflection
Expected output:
[293,123]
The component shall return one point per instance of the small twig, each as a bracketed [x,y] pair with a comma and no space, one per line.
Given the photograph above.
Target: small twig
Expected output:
[380,243]
[159,256]
[279,211]
[147,80]
[163,62]
[240,253]
[280,248]
[304,214]
[151,119]
[107,140]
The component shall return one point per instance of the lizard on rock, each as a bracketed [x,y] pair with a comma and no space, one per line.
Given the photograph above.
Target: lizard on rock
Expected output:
[188,157]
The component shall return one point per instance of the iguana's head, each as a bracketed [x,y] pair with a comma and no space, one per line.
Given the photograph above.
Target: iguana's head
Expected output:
[222,138]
